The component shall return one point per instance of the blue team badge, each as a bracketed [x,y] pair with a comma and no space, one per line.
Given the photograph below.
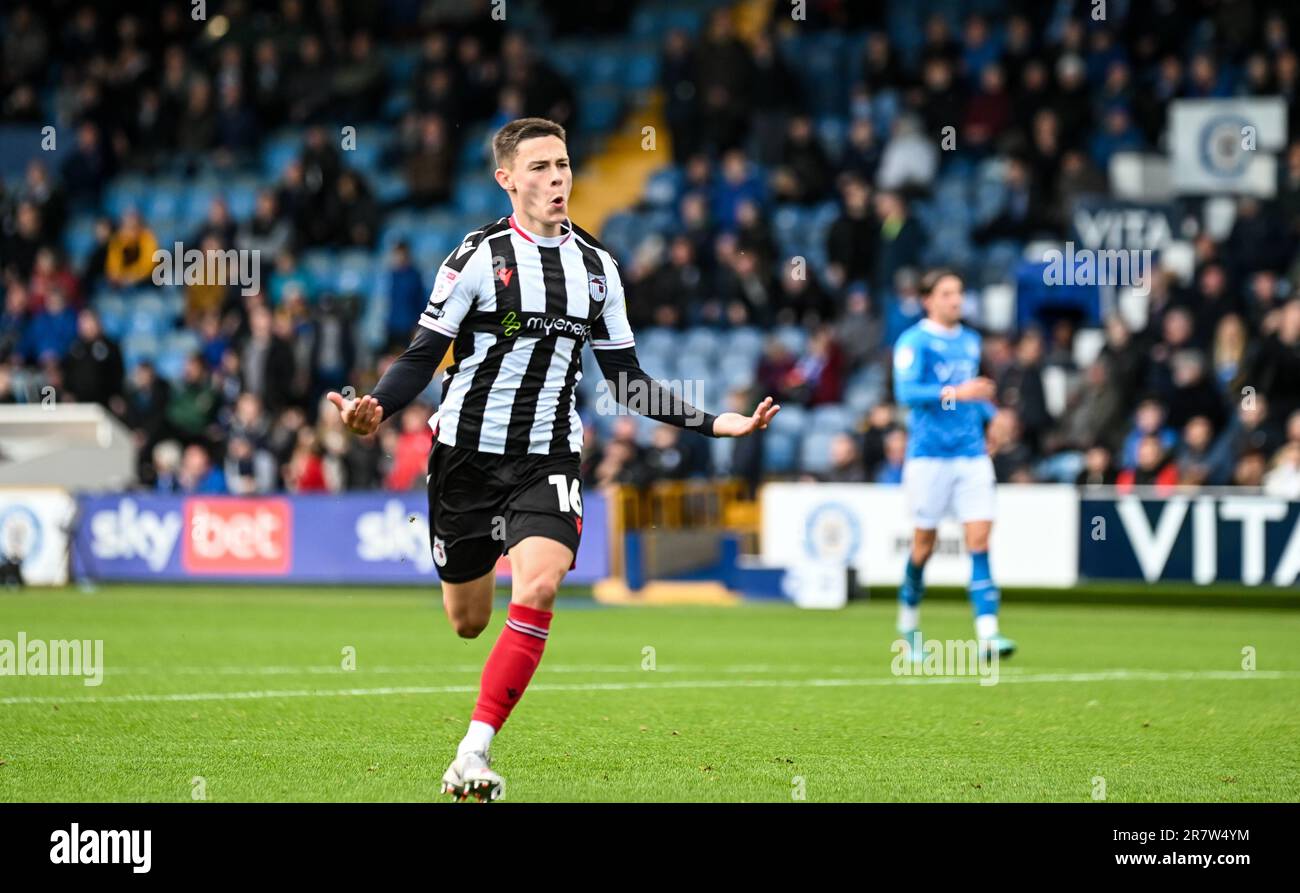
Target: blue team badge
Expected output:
[832,533]
[20,533]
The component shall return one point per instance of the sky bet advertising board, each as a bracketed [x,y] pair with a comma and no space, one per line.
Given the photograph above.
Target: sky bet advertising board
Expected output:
[352,538]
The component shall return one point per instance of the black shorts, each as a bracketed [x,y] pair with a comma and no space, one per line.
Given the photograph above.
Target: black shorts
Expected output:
[482,504]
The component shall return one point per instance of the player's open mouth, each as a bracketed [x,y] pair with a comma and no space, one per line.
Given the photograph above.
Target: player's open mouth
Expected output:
[557,202]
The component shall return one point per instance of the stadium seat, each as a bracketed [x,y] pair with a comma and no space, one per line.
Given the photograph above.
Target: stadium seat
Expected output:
[125,193]
[138,346]
[780,450]
[815,452]
[744,341]
[792,419]
[389,187]
[737,372]
[241,198]
[662,187]
[701,343]
[79,239]
[481,199]
[641,71]
[278,152]
[793,337]
[165,198]
[319,264]
[830,419]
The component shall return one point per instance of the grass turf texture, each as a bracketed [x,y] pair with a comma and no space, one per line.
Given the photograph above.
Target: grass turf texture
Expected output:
[232,685]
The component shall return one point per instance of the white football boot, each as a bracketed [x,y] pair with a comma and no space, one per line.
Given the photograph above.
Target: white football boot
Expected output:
[471,775]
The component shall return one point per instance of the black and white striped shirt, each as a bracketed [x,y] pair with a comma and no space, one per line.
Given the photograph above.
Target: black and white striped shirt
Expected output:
[517,308]
[520,306]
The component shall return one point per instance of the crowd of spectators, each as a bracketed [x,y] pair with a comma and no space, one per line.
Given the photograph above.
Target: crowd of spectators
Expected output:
[1205,392]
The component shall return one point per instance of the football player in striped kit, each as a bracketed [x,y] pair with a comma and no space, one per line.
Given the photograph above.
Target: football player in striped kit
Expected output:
[516,301]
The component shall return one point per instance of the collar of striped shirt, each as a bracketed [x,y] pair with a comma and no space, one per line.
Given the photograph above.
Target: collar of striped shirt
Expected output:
[566,233]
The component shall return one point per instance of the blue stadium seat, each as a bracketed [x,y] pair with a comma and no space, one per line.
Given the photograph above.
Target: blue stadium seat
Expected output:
[196,202]
[662,187]
[480,199]
[319,264]
[124,193]
[657,340]
[168,230]
[389,187]
[357,273]
[172,298]
[815,452]
[165,198]
[721,450]
[744,341]
[780,450]
[113,317]
[601,109]
[793,337]
[830,419]
[701,343]
[241,198]
[138,346]
[604,67]
[699,372]
[79,239]
[278,152]
[792,419]
[640,71]
[737,372]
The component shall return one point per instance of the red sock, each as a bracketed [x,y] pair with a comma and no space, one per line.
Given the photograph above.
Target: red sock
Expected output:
[510,666]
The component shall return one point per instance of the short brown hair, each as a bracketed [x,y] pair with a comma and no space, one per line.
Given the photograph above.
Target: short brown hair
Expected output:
[506,141]
[934,277]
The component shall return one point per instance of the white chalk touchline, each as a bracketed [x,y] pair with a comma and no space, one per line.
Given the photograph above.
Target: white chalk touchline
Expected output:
[325,670]
[414,669]
[1102,676]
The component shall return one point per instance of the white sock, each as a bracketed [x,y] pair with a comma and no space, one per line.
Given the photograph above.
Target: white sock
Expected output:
[909,617]
[478,739]
[986,626]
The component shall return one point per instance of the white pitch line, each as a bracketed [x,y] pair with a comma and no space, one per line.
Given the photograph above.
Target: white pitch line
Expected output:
[325,670]
[1103,676]
[318,670]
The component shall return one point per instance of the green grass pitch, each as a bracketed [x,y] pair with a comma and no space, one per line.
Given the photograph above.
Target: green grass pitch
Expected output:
[238,693]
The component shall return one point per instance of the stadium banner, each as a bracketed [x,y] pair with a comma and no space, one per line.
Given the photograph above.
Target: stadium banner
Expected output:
[868,527]
[34,525]
[1099,223]
[1245,538]
[1227,145]
[350,538]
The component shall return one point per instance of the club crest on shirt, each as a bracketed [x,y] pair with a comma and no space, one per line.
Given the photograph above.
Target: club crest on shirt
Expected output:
[598,287]
[441,291]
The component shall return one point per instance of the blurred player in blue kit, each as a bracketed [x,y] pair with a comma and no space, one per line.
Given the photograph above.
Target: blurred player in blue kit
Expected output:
[947,471]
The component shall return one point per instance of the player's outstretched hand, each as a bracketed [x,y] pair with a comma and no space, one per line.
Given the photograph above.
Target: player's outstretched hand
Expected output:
[361,416]
[733,424]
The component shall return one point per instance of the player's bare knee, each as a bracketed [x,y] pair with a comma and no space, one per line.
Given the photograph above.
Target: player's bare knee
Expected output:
[468,626]
[537,592]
